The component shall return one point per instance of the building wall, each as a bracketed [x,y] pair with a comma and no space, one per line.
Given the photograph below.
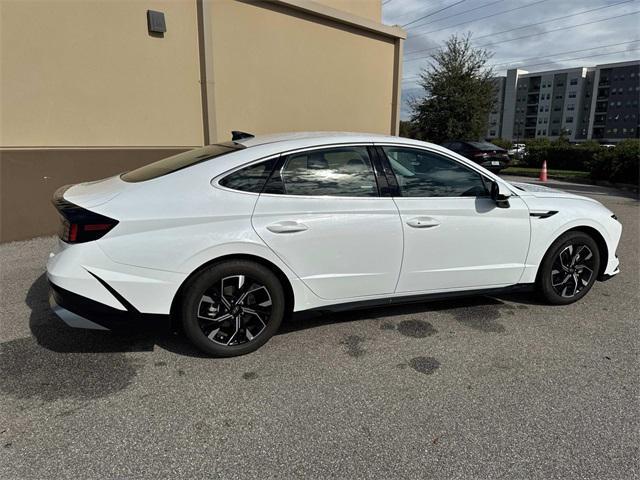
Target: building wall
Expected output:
[276,69]
[494,129]
[370,9]
[615,112]
[87,74]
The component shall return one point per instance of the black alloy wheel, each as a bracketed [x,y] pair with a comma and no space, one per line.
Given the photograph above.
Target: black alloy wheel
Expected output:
[232,308]
[569,268]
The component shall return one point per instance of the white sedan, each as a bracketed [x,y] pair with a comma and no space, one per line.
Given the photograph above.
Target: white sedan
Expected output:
[228,239]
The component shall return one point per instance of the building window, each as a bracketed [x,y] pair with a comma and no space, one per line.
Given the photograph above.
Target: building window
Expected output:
[571,107]
[572,94]
[569,120]
[574,81]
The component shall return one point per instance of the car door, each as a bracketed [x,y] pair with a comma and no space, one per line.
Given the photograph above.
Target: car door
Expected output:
[455,235]
[322,214]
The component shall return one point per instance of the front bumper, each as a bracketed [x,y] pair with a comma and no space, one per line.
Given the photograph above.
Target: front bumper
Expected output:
[612,269]
[82,312]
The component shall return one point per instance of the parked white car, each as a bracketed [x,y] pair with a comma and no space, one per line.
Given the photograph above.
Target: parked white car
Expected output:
[229,238]
[517,150]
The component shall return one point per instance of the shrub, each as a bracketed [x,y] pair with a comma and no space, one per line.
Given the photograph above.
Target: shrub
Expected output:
[502,143]
[619,164]
[560,154]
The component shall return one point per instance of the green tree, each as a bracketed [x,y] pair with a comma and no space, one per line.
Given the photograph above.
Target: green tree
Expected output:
[501,142]
[460,93]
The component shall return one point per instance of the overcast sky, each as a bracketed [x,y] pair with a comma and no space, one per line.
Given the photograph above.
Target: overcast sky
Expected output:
[559,42]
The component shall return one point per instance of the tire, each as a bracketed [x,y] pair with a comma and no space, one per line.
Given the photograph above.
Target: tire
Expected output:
[569,268]
[232,308]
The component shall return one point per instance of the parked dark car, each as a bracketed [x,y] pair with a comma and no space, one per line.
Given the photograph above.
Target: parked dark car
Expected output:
[490,156]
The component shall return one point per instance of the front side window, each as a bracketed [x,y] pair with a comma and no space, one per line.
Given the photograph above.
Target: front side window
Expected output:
[338,172]
[251,178]
[427,174]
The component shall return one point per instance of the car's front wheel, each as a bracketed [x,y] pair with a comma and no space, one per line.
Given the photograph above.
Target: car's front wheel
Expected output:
[569,269]
[232,308]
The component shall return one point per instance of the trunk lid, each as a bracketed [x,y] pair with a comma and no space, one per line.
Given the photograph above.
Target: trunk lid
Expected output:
[92,194]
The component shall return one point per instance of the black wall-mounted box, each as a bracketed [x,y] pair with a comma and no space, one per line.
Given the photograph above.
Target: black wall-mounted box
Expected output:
[155,22]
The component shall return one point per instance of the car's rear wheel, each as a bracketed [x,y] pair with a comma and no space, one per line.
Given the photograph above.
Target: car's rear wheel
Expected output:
[232,308]
[569,269]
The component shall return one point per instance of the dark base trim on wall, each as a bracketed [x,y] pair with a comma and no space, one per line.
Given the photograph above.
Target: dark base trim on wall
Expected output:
[28,178]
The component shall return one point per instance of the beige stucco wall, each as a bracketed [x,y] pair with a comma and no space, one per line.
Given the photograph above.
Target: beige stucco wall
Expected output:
[87,73]
[276,69]
[371,9]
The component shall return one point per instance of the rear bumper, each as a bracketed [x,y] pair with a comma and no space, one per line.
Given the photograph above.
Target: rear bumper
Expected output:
[82,312]
[491,164]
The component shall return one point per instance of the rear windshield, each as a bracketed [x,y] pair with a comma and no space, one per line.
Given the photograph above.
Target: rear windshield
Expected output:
[180,161]
[485,146]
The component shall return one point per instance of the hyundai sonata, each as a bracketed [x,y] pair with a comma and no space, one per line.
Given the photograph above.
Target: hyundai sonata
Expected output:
[228,239]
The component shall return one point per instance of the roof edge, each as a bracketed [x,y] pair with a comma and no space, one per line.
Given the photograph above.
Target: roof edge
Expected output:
[323,11]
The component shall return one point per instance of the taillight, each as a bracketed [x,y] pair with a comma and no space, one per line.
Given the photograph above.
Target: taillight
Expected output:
[79,224]
[75,232]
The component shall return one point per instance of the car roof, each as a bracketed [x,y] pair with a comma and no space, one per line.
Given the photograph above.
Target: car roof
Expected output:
[314,138]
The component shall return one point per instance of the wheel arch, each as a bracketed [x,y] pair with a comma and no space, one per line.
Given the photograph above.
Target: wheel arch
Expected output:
[603,250]
[284,280]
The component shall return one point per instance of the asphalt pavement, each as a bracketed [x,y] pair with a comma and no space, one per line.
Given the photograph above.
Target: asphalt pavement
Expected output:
[487,387]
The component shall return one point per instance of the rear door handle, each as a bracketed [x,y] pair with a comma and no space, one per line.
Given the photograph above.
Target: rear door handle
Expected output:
[287,226]
[423,222]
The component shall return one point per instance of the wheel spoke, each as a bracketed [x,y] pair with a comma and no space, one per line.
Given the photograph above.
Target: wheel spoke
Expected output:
[256,315]
[213,333]
[569,249]
[564,280]
[221,318]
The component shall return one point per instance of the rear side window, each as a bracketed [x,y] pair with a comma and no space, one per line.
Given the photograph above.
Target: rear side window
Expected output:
[251,178]
[338,172]
[180,161]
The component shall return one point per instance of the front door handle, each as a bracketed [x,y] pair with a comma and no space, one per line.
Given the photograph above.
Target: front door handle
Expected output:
[287,226]
[423,222]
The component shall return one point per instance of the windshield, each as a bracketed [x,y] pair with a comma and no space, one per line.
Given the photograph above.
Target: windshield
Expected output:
[180,161]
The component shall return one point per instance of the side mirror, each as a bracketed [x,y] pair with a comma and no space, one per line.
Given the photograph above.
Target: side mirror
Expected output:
[500,194]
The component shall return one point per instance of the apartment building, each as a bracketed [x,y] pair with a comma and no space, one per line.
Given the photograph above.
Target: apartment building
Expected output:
[614,106]
[494,130]
[91,89]
[599,103]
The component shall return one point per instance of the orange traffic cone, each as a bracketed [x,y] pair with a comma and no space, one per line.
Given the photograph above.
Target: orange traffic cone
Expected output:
[543,172]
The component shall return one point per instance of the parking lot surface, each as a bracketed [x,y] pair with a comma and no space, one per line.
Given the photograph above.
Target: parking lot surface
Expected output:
[487,387]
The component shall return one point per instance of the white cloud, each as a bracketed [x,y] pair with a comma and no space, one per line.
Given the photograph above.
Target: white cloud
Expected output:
[536,49]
